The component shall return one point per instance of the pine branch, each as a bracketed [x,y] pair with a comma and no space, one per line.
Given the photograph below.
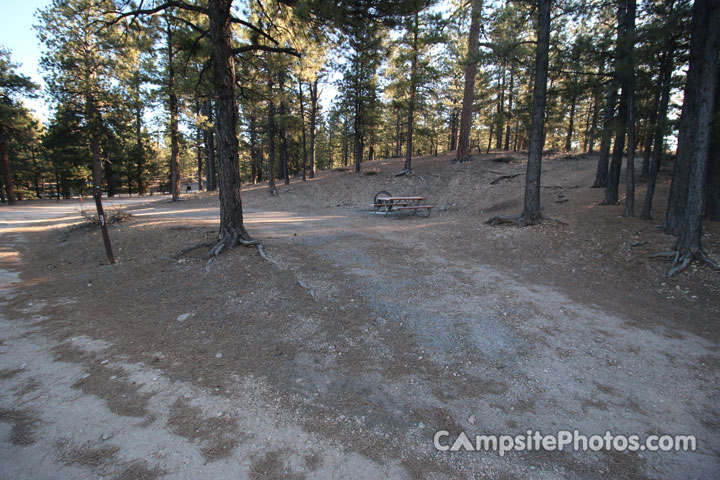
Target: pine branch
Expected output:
[199,30]
[265,48]
[150,11]
[254,28]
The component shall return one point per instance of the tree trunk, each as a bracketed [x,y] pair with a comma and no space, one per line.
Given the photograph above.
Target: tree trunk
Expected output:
[173,107]
[232,229]
[702,28]
[453,129]
[396,147]
[5,165]
[463,150]
[705,43]
[271,139]
[630,125]
[608,124]
[209,141]
[571,125]
[282,133]
[313,124]
[36,174]
[622,72]
[345,143]
[304,139]
[501,112]
[109,176]
[490,136]
[586,135]
[666,67]
[411,100]
[261,161]
[595,114]
[198,146]
[712,196]
[142,188]
[531,208]
[651,125]
[94,122]
[357,138]
[510,106]
[252,130]
[593,128]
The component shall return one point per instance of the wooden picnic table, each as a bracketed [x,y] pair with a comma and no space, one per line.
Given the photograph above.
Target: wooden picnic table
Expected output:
[388,203]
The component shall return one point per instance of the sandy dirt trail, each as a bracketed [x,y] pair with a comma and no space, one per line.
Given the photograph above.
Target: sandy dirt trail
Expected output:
[51,430]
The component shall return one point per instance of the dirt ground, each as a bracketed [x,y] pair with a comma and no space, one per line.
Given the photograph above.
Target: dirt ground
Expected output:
[341,355]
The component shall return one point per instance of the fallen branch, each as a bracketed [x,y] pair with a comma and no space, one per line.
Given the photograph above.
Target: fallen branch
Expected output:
[504,177]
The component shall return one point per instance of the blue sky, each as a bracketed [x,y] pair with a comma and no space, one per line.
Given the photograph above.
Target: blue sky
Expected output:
[17,34]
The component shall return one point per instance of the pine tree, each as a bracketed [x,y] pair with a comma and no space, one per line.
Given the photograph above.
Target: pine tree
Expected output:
[471,61]
[531,210]
[14,118]
[79,65]
[694,138]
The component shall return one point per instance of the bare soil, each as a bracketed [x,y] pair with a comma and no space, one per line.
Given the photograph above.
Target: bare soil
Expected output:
[362,335]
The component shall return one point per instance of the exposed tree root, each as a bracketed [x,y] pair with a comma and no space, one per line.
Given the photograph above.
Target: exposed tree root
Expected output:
[193,247]
[262,254]
[216,248]
[206,269]
[666,255]
[682,260]
[248,243]
[405,171]
[680,264]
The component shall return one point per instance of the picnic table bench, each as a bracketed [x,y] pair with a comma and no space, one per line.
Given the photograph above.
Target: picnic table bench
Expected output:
[386,203]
